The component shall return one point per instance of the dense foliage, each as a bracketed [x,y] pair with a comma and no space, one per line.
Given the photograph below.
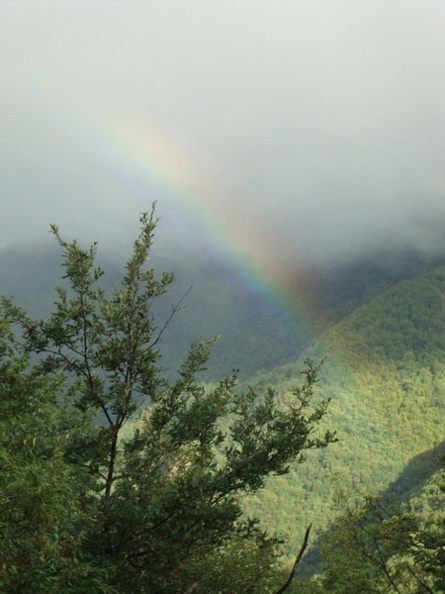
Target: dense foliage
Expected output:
[382,546]
[385,376]
[88,505]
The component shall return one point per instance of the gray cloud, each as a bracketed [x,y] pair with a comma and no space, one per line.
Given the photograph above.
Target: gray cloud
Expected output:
[321,125]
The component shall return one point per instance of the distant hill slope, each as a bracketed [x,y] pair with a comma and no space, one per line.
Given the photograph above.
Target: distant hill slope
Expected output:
[253,334]
[385,374]
[337,291]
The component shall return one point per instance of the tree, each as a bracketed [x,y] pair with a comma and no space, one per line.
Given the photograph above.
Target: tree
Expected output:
[379,546]
[160,507]
[40,518]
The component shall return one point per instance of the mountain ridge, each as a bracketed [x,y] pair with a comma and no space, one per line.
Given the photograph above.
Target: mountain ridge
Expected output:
[385,376]
[253,334]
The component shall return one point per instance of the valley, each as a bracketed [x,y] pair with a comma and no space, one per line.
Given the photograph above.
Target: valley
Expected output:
[379,330]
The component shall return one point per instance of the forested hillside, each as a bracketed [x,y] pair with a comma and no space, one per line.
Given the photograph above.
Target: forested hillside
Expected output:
[382,340]
[385,374]
[381,544]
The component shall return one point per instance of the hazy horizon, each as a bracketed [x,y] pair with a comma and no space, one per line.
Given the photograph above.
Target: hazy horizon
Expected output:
[303,132]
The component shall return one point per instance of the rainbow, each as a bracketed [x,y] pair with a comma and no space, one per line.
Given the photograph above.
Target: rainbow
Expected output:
[246,255]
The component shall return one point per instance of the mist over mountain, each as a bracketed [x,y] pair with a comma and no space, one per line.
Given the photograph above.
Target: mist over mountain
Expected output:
[303,134]
[255,332]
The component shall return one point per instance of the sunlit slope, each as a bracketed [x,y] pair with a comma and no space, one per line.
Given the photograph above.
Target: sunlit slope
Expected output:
[385,374]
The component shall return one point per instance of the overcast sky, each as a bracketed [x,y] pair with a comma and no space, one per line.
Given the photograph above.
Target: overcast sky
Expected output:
[313,127]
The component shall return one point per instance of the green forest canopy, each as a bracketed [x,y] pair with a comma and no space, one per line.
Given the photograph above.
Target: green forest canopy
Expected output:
[88,505]
[119,478]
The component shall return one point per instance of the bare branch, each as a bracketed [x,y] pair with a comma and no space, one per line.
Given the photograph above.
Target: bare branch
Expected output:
[192,588]
[297,562]
[175,308]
